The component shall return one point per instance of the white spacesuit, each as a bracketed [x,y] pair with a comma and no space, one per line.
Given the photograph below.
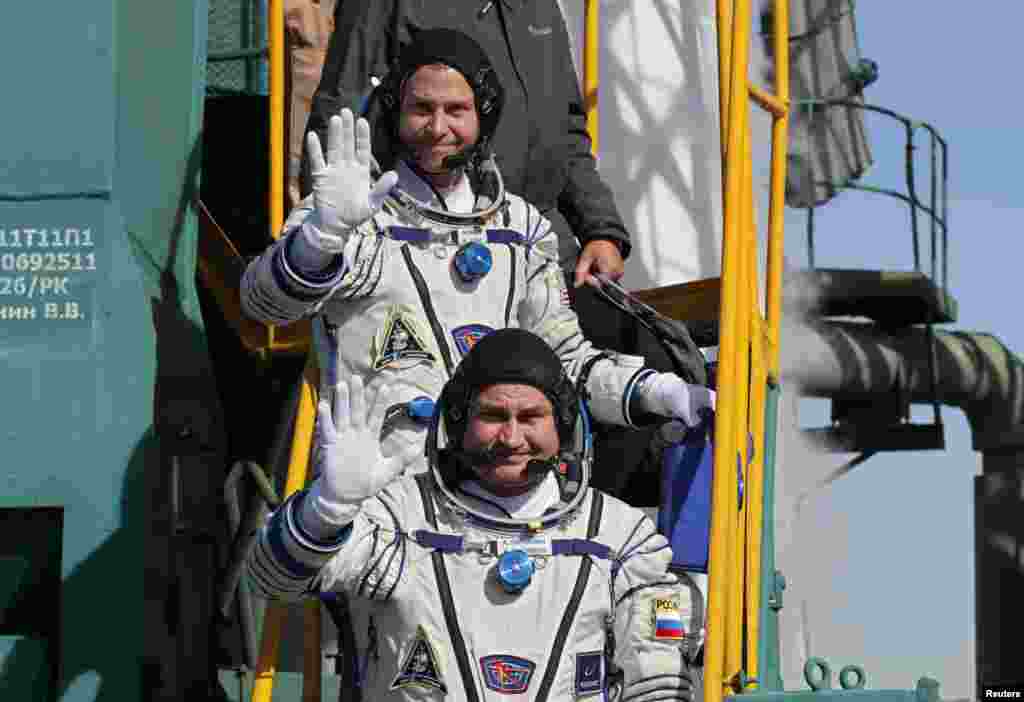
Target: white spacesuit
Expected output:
[470,596]
[396,312]
[404,286]
[404,280]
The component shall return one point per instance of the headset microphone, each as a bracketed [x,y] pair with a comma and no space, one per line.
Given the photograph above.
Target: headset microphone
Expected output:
[536,467]
[457,160]
[466,461]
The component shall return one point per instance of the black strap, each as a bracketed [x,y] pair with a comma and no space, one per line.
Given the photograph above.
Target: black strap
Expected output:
[445,591]
[596,506]
[511,284]
[696,610]
[585,371]
[428,308]
[583,576]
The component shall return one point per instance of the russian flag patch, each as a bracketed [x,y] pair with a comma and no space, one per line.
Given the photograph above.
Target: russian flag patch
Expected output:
[668,622]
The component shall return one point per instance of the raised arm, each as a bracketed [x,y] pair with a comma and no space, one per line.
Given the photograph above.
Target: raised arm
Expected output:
[322,239]
[367,35]
[340,522]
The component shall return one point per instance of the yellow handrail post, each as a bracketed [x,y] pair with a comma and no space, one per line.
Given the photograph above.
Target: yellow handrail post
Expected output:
[275,41]
[780,132]
[273,617]
[275,79]
[591,34]
[755,477]
[724,483]
[723,648]
[734,662]
[725,23]
[748,352]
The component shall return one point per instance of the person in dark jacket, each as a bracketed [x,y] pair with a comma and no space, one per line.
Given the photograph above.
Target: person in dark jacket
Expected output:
[542,145]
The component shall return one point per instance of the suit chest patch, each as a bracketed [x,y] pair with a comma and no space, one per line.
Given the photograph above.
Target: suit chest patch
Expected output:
[420,666]
[509,675]
[467,335]
[668,621]
[402,340]
[589,678]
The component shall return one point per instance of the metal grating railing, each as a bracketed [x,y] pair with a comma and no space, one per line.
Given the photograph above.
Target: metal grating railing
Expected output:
[236,47]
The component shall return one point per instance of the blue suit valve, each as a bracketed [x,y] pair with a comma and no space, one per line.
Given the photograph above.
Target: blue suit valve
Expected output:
[473,261]
[420,409]
[515,570]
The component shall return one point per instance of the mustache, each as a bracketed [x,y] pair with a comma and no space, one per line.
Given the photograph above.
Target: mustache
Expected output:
[469,461]
[493,454]
[425,139]
[458,159]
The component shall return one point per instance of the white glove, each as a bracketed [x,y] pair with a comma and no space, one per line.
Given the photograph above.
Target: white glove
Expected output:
[348,459]
[344,195]
[668,395]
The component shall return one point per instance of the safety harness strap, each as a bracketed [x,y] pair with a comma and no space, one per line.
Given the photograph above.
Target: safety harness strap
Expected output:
[419,235]
[555,657]
[452,543]
[445,590]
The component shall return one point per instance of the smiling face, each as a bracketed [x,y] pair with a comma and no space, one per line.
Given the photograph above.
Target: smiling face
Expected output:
[438,118]
[515,423]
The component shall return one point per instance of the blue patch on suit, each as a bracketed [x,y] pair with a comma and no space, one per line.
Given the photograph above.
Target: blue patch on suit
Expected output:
[589,678]
[467,335]
[509,675]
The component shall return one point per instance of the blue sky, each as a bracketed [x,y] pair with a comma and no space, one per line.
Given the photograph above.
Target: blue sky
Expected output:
[898,581]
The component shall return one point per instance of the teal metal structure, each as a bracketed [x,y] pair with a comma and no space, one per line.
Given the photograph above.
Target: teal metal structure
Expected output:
[103,346]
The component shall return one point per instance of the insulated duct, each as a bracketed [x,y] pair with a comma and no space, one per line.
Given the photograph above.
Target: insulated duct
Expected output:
[978,374]
[975,372]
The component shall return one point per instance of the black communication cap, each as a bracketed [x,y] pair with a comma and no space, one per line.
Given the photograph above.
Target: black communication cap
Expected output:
[451,48]
[510,356]
[460,51]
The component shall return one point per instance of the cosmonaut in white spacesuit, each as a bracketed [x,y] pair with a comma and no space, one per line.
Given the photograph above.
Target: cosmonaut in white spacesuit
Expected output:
[499,573]
[404,273]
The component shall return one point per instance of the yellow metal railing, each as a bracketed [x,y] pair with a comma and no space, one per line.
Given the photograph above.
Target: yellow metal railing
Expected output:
[591,37]
[275,72]
[748,353]
[273,616]
[305,415]
[220,265]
